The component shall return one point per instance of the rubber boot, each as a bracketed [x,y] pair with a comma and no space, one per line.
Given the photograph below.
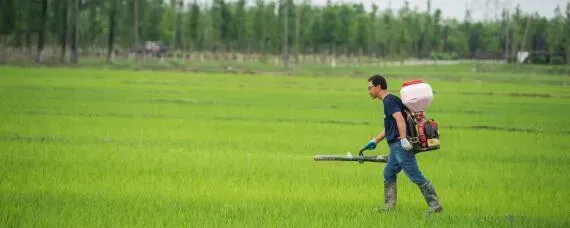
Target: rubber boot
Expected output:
[428,191]
[390,195]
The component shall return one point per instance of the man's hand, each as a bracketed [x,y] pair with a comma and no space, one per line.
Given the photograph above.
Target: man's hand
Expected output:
[406,144]
[371,145]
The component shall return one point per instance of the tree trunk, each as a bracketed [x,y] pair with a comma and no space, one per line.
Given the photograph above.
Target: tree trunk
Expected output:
[174,23]
[111,40]
[74,16]
[63,32]
[333,56]
[179,33]
[2,53]
[523,44]
[28,42]
[445,37]
[136,27]
[42,31]
[507,43]
[297,32]
[286,36]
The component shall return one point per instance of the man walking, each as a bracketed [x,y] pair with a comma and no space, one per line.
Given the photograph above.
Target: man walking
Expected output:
[401,156]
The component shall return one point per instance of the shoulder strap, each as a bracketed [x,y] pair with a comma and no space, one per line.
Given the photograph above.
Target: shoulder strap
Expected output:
[405,109]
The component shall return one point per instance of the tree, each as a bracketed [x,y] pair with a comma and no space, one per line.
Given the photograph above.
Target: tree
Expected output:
[136,8]
[555,37]
[177,33]
[157,22]
[388,38]
[64,32]
[297,31]
[74,20]
[272,27]
[458,36]
[258,35]
[436,32]
[344,23]
[111,32]
[373,35]
[405,41]
[315,34]
[8,25]
[240,29]
[285,7]
[8,17]
[194,26]
[539,38]
[567,31]
[445,39]
[221,17]
[92,30]
[42,31]
[329,27]
[360,39]
[506,34]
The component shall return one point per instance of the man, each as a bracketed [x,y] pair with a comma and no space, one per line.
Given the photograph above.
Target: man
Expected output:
[401,156]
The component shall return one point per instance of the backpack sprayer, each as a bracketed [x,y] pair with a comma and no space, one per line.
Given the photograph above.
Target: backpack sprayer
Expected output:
[421,131]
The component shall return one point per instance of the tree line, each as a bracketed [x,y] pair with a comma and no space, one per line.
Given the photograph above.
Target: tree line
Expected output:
[276,27]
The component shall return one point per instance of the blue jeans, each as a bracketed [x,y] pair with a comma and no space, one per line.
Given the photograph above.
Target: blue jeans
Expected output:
[399,159]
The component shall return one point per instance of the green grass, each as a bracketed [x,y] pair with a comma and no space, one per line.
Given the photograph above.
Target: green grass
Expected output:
[96,147]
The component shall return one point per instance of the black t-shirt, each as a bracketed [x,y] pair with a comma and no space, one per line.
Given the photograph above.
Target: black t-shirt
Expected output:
[392,104]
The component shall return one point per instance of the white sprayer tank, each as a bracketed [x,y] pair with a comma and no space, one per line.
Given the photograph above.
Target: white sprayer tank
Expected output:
[416,95]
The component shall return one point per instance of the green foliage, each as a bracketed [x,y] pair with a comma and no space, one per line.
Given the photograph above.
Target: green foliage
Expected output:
[443,56]
[340,27]
[166,29]
[7,16]
[259,34]
[195,30]
[239,28]
[153,26]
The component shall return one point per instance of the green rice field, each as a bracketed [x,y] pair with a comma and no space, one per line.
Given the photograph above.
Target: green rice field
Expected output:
[117,148]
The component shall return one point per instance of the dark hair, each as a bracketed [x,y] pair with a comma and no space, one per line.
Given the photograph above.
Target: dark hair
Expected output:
[378,80]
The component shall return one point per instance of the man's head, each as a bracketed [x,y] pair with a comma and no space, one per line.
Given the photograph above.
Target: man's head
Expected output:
[377,86]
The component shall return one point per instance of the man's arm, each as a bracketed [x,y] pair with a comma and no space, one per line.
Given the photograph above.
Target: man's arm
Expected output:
[400,123]
[373,142]
[380,136]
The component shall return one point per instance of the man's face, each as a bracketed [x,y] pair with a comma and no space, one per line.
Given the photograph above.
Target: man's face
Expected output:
[373,91]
